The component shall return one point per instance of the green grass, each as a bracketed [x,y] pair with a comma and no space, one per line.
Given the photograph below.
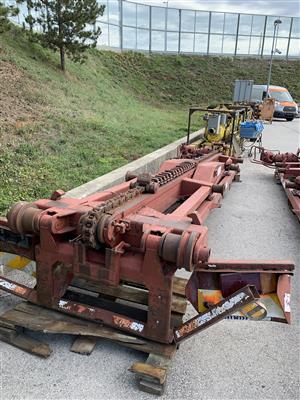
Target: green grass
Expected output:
[59,131]
[185,80]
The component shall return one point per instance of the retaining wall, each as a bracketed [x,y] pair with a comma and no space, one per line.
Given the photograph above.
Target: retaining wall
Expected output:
[148,163]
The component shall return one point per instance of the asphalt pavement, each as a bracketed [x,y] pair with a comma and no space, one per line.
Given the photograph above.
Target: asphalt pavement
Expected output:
[233,359]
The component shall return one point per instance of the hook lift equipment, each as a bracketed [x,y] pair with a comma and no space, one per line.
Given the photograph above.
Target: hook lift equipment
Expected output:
[135,236]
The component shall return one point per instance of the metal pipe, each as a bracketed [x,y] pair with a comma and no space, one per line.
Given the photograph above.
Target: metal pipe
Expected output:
[276,25]
[289,40]
[263,38]
[237,34]
[189,128]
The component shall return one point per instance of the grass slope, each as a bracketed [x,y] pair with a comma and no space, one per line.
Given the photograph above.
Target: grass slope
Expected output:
[185,80]
[60,131]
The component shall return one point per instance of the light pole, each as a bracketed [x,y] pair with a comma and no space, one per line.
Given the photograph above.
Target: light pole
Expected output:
[277,22]
[166,22]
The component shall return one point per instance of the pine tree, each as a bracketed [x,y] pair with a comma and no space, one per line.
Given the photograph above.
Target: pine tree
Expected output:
[68,26]
[5,13]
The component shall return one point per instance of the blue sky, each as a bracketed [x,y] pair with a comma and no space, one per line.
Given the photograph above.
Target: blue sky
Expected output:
[267,7]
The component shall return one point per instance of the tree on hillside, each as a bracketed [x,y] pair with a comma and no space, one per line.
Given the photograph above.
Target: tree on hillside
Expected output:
[68,26]
[5,13]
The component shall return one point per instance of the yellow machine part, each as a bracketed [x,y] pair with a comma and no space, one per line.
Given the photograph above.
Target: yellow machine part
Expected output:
[224,131]
[216,137]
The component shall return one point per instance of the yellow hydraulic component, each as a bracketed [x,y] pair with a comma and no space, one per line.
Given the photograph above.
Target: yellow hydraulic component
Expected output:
[222,127]
[220,123]
[215,135]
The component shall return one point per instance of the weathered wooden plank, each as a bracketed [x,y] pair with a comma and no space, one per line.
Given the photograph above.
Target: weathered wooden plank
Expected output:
[135,294]
[32,345]
[44,320]
[179,304]
[150,371]
[27,344]
[84,345]
[85,327]
[6,324]
[151,387]
[166,350]
[176,320]
[179,285]
[152,374]
[7,333]
[75,327]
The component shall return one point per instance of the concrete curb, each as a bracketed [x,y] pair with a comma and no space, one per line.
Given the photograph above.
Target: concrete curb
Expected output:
[148,163]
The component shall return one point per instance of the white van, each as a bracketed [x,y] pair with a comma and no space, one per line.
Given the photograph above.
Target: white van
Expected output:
[285,106]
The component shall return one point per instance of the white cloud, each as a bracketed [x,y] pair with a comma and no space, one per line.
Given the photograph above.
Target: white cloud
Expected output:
[267,7]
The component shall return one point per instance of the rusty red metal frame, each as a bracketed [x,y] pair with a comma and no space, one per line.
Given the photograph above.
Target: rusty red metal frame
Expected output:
[140,231]
[290,180]
[216,313]
[210,275]
[287,171]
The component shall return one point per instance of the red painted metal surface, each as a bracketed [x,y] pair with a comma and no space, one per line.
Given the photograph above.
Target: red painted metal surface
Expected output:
[287,171]
[139,232]
[234,302]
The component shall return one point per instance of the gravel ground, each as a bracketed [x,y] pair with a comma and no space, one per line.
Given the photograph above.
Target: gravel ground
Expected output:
[232,360]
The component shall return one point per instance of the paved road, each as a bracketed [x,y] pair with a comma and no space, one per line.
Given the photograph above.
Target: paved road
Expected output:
[234,359]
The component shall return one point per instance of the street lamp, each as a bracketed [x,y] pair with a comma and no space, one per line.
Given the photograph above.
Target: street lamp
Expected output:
[277,22]
[166,2]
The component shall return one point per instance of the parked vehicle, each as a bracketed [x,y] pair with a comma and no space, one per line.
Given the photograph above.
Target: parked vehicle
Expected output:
[285,106]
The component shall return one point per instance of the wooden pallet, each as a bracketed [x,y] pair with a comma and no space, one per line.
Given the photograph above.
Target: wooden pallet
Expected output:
[151,375]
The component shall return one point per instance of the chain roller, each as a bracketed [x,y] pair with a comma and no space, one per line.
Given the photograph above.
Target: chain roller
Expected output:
[89,221]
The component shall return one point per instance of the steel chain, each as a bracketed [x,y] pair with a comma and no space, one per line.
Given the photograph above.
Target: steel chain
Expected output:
[89,221]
